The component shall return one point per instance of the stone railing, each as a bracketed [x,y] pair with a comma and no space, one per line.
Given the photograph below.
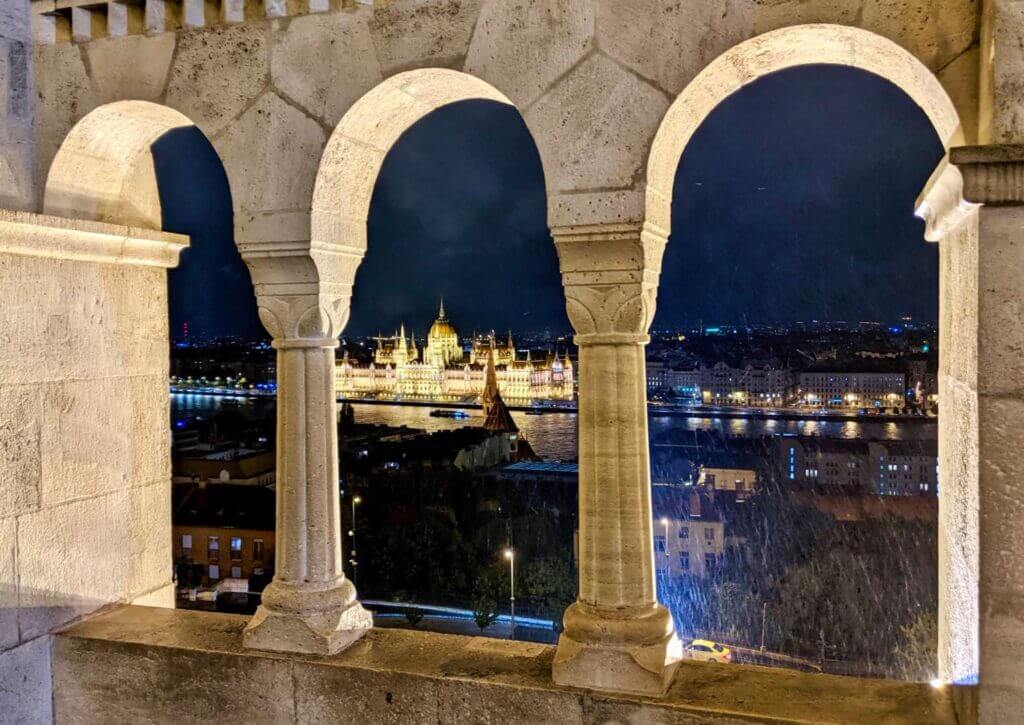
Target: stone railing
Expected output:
[105,669]
[79,21]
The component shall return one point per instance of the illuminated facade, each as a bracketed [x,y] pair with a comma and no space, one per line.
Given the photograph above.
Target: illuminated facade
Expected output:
[846,390]
[444,371]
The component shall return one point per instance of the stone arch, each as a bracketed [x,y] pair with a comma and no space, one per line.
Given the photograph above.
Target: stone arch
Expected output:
[948,219]
[104,170]
[360,142]
[777,50]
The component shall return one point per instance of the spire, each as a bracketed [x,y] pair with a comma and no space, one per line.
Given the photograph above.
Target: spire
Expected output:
[497,417]
[490,394]
[440,314]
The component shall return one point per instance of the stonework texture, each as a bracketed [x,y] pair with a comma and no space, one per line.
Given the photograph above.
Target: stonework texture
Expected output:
[84,445]
[303,99]
[139,664]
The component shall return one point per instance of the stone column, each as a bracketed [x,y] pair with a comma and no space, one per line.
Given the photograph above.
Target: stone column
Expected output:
[310,606]
[617,637]
[953,223]
[993,176]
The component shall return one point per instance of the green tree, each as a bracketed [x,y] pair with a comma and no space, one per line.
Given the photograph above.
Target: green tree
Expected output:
[550,585]
[916,657]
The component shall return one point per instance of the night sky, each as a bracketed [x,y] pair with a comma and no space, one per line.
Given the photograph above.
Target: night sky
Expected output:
[793,201]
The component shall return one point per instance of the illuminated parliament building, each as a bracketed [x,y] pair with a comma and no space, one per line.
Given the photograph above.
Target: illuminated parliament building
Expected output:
[443,370]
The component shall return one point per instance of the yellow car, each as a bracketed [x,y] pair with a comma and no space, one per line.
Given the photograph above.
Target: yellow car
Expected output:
[707,651]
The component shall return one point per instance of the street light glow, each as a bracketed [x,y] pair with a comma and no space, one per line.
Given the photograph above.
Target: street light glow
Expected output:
[357,499]
[508,553]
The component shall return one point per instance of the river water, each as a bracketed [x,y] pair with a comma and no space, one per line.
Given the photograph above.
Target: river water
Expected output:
[553,435]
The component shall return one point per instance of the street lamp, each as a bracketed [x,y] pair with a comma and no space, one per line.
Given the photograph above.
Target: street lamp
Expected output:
[511,556]
[352,533]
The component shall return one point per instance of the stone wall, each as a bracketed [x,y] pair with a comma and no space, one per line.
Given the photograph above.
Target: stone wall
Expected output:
[16,106]
[593,85]
[84,441]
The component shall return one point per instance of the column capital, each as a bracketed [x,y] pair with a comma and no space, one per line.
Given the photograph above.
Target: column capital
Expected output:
[304,319]
[992,175]
[610,274]
[303,288]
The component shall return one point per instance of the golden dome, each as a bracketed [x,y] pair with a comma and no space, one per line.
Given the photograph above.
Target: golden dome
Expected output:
[442,329]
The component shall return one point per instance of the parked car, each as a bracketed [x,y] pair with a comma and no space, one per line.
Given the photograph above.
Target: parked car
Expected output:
[705,650]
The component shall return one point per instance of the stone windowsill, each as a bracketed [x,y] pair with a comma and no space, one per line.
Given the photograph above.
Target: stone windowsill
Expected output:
[134,664]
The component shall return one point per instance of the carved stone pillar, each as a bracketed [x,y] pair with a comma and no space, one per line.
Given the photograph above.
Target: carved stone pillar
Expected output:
[309,606]
[617,637]
[994,177]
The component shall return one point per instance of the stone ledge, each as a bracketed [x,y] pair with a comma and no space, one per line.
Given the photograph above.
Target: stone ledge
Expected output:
[992,175]
[43,235]
[140,664]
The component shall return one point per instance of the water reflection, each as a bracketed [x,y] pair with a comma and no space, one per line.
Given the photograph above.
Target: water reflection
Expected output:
[553,435]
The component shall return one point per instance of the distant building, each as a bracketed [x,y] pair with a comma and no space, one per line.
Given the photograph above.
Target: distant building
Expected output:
[836,389]
[889,468]
[759,385]
[240,466]
[720,476]
[753,385]
[226,530]
[828,464]
[443,371]
[905,468]
[690,536]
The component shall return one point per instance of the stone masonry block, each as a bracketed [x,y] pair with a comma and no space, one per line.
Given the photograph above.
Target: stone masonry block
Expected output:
[523,46]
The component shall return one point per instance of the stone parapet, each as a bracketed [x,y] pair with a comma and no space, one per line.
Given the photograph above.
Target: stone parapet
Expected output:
[136,664]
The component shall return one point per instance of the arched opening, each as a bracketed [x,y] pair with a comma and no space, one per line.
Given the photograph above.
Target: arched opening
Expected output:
[754,66]
[146,165]
[445,197]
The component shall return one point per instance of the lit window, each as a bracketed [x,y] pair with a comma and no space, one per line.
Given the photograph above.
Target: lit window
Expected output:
[214,571]
[186,541]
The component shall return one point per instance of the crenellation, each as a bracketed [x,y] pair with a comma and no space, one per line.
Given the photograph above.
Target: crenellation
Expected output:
[88,22]
[125,18]
[162,16]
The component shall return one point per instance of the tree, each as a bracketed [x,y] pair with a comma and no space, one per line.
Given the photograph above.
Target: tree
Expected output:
[487,592]
[485,611]
[916,657]
[550,584]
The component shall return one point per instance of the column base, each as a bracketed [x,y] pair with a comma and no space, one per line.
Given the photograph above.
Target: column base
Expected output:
[634,656]
[322,630]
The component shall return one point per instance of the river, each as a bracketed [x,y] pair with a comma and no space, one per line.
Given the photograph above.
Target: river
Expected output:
[553,435]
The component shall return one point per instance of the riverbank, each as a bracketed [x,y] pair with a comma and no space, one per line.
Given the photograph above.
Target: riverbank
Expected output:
[653,409]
